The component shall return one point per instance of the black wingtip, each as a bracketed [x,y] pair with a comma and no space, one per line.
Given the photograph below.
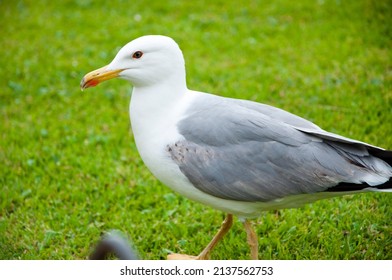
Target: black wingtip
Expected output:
[351,187]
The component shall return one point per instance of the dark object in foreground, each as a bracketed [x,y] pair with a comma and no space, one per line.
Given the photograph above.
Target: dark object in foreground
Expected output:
[114,243]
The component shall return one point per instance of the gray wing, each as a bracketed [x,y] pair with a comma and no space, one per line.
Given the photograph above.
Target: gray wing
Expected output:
[298,122]
[238,150]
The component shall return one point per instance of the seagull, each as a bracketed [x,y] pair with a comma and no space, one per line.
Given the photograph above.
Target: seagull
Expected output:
[238,156]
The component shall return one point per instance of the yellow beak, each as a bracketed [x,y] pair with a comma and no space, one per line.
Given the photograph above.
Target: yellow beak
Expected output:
[97,76]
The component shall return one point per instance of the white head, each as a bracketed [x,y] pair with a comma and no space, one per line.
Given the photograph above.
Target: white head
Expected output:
[145,61]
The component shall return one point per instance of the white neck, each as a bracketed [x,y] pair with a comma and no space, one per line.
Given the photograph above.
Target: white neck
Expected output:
[151,106]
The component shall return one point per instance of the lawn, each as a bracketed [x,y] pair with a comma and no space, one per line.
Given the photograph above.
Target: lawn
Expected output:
[69,168]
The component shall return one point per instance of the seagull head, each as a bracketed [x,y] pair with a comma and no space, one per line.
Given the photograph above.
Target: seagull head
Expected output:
[145,61]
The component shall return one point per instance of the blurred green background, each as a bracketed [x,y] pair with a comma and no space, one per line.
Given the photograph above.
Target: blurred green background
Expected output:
[69,168]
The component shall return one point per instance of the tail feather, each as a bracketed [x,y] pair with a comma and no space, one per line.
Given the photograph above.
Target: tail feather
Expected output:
[386,156]
[380,190]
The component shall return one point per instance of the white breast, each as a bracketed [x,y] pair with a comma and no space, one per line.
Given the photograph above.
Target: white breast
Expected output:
[154,127]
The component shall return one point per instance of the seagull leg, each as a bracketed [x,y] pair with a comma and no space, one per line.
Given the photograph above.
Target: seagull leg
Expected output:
[251,237]
[226,225]
[205,254]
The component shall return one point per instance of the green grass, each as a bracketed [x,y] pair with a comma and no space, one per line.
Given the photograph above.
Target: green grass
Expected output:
[69,168]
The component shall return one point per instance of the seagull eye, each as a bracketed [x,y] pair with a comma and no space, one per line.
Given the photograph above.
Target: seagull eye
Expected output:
[137,54]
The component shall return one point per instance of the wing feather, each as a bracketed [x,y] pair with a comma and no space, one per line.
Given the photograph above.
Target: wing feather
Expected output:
[253,152]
